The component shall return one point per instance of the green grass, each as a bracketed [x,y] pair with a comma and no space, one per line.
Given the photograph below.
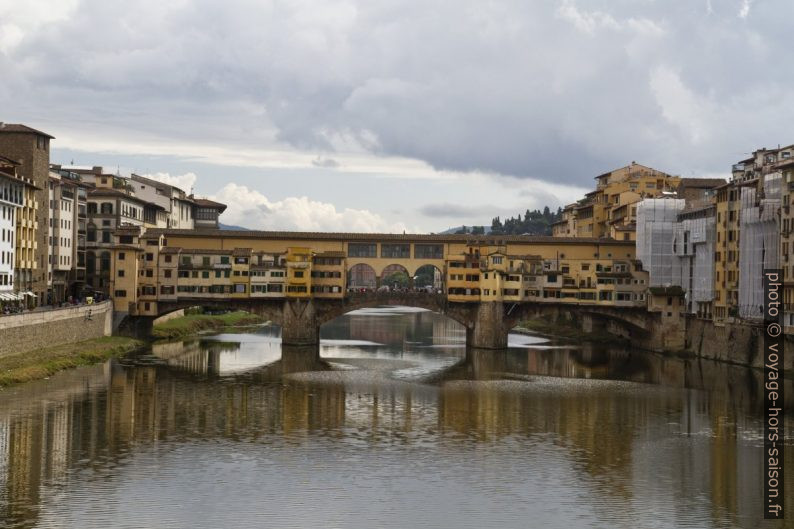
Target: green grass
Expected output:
[196,323]
[41,363]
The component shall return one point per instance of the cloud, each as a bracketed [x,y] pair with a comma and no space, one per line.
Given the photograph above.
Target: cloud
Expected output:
[531,89]
[328,163]
[457,211]
[252,209]
[744,10]
[185,182]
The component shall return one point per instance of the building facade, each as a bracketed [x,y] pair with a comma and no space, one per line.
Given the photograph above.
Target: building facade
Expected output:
[31,149]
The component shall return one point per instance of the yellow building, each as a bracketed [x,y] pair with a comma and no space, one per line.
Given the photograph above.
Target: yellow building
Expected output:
[127,254]
[241,267]
[299,272]
[27,226]
[490,273]
[611,209]
[328,275]
[726,254]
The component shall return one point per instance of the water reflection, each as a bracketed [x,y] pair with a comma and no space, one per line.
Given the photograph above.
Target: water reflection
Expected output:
[391,423]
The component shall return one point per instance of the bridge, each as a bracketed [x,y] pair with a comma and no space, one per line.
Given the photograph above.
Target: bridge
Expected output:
[300,281]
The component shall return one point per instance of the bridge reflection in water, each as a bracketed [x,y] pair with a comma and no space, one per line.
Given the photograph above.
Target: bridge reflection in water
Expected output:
[685,437]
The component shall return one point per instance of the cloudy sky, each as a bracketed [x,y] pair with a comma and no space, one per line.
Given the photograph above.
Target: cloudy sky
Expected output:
[397,114]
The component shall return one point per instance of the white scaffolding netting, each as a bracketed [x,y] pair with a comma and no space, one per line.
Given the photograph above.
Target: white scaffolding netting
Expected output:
[693,267]
[656,223]
[758,243]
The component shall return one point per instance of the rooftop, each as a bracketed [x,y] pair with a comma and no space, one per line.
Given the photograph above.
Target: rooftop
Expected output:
[374,237]
[24,129]
[706,183]
[206,203]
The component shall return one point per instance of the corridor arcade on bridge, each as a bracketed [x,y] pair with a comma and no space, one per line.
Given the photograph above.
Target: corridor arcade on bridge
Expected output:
[300,279]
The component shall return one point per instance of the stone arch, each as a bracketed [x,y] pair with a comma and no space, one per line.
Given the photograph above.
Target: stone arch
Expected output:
[432,302]
[396,275]
[429,276]
[362,275]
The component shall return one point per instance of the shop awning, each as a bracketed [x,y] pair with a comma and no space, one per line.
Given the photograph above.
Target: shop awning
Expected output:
[29,293]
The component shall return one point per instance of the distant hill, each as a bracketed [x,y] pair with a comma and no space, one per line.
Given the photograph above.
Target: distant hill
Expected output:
[231,227]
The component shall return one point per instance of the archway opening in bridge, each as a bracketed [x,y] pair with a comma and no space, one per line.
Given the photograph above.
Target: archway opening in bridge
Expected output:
[362,276]
[396,277]
[393,330]
[429,277]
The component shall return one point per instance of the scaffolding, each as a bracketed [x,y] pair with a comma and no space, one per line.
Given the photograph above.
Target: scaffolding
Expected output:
[758,243]
[693,268]
[656,223]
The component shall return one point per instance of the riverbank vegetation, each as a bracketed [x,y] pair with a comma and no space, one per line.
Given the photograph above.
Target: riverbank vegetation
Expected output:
[41,363]
[190,324]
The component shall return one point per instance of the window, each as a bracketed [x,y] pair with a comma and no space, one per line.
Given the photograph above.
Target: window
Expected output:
[125,239]
[224,259]
[150,257]
[120,293]
[239,288]
[121,273]
[121,256]
[205,261]
[362,250]
[298,273]
[428,251]
[167,273]
[167,258]
[205,274]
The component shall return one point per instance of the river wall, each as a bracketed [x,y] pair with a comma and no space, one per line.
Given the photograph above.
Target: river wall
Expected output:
[46,328]
[738,343]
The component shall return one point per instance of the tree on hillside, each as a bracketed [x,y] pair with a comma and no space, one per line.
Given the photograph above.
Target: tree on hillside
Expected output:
[534,222]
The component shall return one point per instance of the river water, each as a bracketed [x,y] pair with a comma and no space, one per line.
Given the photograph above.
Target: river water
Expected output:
[395,424]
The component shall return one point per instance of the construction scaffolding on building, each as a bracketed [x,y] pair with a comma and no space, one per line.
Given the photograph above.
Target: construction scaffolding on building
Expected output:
[656,224]
[693,268]
[758,244]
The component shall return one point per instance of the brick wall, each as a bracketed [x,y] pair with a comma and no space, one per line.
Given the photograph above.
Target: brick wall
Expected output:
[39,329]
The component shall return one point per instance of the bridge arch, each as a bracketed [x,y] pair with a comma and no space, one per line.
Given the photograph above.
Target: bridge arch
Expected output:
[395,275]
[432,302]
[429,275]
[362,275]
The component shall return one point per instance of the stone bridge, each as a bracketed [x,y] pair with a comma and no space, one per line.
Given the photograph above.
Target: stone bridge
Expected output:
[487,323]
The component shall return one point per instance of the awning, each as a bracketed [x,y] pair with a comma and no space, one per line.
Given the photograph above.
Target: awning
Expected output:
[6,297]
[29,293]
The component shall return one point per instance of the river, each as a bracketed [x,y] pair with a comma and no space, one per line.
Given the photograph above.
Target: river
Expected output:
[396,425]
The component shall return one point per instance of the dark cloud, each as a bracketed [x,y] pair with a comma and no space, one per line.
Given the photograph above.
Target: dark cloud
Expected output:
[558,91]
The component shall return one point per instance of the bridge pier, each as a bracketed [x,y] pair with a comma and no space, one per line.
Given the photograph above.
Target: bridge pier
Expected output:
[488,329]
[299,324]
